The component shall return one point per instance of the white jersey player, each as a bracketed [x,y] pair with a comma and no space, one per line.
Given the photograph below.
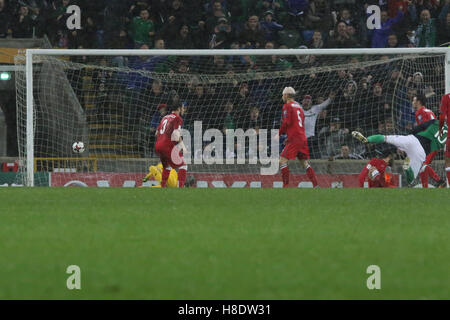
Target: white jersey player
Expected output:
[312,112]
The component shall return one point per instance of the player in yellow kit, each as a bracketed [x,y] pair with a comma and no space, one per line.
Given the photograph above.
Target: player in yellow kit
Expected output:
[155,173]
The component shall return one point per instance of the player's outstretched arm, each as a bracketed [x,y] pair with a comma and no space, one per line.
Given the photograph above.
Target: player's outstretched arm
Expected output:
[362,176]
[319,107]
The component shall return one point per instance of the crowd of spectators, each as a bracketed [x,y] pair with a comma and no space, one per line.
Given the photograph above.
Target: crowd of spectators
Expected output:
[184,24]
[372,99]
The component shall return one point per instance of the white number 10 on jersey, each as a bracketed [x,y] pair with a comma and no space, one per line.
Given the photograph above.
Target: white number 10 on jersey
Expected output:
[164,124]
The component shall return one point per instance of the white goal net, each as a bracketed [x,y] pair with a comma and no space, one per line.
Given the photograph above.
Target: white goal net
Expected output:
[113,103]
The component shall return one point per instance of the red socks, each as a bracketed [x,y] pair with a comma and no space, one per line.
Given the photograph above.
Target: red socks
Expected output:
[424,179]
[447,170]
[428,172]
[182,176]
[285,174]
[165,176]
[309,172]
[432,173]
[311,175]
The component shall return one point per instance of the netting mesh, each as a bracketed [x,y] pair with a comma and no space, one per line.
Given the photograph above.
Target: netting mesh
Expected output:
[114,104]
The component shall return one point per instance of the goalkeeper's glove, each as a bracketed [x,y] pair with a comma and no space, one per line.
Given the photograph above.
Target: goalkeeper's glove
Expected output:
[144,179]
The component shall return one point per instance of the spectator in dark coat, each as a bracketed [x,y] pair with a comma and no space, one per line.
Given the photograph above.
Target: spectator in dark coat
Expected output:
[426,31]
[252,120]
[175,17]
[222,36]
[319,16]
[317,41]
[5,16]
[444,25]
[22,25]
[252,34]
[392,41]
[297,6]
[214,15]
[270,27]
[183,40]
[341,38]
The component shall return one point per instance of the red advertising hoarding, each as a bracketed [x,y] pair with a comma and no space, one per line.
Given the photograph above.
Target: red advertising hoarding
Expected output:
[211,180]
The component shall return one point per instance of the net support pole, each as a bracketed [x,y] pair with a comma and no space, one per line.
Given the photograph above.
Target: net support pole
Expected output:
[447,71]
[30,124]
[447,82]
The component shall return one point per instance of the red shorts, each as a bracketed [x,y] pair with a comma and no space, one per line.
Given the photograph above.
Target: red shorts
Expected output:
[170,156]
[292,151]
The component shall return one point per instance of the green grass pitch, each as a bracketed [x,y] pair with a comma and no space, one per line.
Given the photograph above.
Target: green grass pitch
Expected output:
[224,243]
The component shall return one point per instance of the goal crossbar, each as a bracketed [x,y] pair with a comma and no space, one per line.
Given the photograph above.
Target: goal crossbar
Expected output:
[234,52]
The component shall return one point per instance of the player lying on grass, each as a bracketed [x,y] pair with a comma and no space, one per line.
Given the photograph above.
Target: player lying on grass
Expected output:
[296,142]
[169,144]
[155,173]
[424,140]
[423,115]
[378,170]
[445,114]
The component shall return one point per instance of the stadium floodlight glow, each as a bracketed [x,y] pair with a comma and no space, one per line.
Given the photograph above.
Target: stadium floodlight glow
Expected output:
[5,76]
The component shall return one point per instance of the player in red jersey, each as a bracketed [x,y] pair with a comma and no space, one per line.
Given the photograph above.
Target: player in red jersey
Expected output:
[445,113]
[169,144]
[296,143]
[423,115]
[377,171]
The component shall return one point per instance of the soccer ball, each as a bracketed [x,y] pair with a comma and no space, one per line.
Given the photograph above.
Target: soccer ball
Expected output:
[78,147]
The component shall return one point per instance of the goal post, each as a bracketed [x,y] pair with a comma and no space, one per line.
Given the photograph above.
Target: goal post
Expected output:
[55,80]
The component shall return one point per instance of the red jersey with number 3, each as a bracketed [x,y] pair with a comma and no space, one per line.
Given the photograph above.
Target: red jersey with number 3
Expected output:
[423,115]
[445,113]
[293,123]
[165,129]
[445,109]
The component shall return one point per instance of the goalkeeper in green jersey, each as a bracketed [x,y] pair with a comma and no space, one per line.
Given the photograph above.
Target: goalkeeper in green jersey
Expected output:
[423,140]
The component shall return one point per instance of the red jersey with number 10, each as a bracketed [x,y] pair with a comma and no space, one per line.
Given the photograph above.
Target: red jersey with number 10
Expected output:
[423,115]
[165,129]
[293,123]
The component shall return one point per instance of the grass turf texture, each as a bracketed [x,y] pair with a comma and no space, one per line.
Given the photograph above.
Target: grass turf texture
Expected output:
[224,244]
